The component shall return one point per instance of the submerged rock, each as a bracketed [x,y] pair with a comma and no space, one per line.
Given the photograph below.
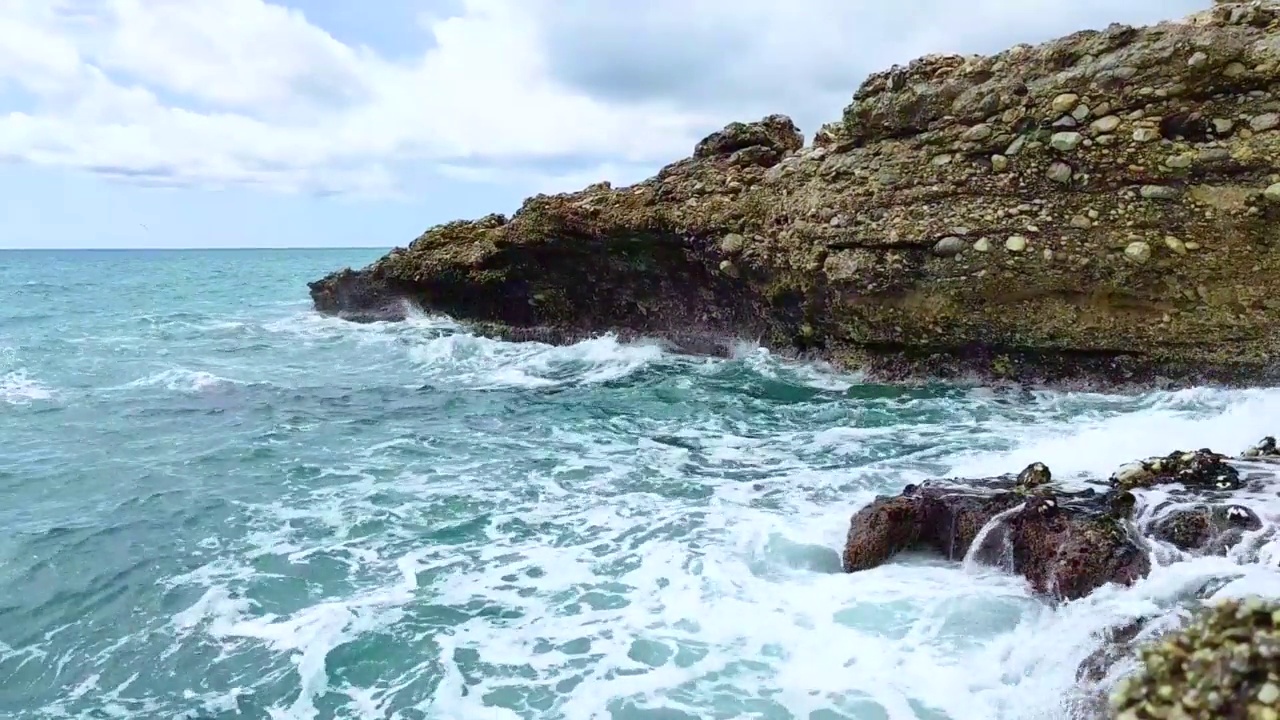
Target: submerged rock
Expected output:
[1225,664]
[848,249]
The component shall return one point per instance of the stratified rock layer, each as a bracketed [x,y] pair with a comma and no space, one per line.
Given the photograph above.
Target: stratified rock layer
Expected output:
[1105,206]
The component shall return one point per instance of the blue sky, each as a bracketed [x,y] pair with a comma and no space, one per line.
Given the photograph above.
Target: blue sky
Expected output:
[237,123]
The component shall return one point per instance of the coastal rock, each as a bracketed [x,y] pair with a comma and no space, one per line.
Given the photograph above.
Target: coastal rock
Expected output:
[1265,449]
[1206,529]
[1225,664]
[1065,543]
[838,260]
[1200,469]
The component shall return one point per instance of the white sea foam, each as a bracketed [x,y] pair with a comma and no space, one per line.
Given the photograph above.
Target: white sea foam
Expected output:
[185,380]
[19,388]
[694,566]
[483,363]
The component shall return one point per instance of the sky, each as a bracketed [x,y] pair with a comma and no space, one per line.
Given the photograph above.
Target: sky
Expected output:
[344,123]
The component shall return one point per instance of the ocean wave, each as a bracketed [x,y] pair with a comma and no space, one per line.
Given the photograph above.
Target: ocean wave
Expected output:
[19,388]
[185,380]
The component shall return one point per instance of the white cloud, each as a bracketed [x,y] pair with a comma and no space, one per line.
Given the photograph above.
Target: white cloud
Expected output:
[221,92]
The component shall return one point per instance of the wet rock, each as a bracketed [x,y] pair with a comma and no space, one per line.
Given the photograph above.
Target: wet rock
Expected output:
[1207,529]
[1197,470]
[1264,449]
[1225,664]
[1065,543]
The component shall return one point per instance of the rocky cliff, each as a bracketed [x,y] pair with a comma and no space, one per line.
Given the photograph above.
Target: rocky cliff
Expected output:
[1105,206]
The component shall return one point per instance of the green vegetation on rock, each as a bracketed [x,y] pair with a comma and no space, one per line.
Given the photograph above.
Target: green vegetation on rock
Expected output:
[1095,207]
[1225,664]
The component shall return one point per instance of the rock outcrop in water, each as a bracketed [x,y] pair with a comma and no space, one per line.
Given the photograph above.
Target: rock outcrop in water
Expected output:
[1105,206]
[1066,543]
[1226,664]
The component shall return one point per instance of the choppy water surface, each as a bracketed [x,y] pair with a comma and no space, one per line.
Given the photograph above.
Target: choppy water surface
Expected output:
[216,504]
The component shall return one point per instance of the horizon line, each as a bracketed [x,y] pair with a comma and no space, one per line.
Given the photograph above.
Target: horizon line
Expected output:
[197,248]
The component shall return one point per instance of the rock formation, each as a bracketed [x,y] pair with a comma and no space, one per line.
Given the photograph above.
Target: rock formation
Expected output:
[1066,543]
[1226,664]
[1104,207]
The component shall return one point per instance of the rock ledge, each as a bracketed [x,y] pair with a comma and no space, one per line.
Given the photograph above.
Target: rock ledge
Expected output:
[1102,207]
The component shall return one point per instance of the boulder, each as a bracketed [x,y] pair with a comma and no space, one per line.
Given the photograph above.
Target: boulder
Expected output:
[1065,543]
[1134,161]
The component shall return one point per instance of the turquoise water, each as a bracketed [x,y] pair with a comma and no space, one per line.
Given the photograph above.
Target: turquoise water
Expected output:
[216,504]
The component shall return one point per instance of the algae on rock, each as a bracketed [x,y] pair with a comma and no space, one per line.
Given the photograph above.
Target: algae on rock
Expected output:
[884,244]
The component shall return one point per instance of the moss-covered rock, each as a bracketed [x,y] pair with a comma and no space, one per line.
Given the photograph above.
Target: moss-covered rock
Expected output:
[1133,167]
[1225,664]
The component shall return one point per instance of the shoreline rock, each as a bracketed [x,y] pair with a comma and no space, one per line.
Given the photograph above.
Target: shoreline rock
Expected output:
[1094,210]
[1066,543]
[1225,664]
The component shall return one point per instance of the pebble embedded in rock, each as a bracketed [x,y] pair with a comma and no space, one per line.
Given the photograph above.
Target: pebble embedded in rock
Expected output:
[1016,146]
[1065,141]
[1197,59]
[1214,155]
[1264,122]
[1138,252]
[1105,124]
[1272,193]
[1065,102]
[1159,192]
[1175,245]
[1180,161]
[1145,134]
[1081,113]
[732,243]
[1081,222]
[1015,243]
[949,247]
[977,132]
[1059,172]
[1222,126]
[982,245]
[999,163]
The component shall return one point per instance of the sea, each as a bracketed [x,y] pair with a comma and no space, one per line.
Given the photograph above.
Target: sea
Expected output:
[218,504]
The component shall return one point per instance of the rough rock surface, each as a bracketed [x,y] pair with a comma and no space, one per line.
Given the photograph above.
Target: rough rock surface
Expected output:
[1105,206]
[1226,664]
[1066,543]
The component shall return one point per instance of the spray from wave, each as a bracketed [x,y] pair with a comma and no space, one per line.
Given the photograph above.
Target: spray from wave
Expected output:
[659,538]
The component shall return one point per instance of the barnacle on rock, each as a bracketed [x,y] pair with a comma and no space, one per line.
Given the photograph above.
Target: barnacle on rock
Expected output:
[1225,664]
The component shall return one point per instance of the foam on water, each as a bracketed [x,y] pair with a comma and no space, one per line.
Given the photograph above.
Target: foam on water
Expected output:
[585,599]
[671,554]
